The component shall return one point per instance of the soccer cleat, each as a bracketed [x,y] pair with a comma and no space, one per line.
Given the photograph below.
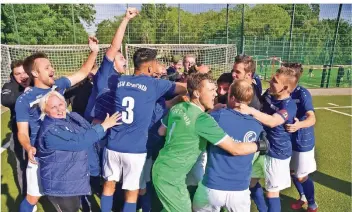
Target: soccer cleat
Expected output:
[312,210]
[298,204]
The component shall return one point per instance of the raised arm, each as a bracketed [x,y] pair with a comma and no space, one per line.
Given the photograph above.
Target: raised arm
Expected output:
[118,37]
[88,65]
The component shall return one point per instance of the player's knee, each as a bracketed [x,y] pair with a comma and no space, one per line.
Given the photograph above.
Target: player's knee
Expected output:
[142,191]
[109,188]
[271,194]
[302,179]
[33,200]
[131,196]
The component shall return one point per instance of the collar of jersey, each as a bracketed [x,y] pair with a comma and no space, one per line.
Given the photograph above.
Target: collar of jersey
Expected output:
[197,106]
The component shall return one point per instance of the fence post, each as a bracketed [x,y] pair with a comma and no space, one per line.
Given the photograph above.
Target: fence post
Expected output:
[14,19]
[334,44]
[179,24]
[227,23]
[291,29]
[255,42]
[128,31]
[242,31]
[73,24]
[304,35]
[283,48]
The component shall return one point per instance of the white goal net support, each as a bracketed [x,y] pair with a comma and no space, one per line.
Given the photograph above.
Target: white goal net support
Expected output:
[66,59]
[219,57]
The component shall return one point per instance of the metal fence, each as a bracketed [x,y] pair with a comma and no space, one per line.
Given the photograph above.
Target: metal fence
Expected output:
[314,35]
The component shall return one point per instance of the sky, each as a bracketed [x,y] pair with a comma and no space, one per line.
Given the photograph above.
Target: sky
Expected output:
[108,11]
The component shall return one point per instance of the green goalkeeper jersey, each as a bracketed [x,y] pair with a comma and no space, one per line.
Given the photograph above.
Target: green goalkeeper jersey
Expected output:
[188,130]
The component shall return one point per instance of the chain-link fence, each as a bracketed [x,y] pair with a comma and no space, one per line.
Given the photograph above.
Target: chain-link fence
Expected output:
[312,34]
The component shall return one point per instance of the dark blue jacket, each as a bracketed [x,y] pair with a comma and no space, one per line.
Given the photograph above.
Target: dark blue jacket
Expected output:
[62,146]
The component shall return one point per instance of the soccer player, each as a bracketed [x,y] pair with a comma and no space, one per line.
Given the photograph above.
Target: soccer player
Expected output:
[175,70]
[39,69]
[227,177]
[125,153]
[303,145]
[113,63]
[188,61]
[244,69]
[223,83]
[278,109]
[188,128]
[19,81]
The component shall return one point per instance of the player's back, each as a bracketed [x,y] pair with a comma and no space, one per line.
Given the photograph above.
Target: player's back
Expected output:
[279,138]
[135,98]
[182,144]
[225,171]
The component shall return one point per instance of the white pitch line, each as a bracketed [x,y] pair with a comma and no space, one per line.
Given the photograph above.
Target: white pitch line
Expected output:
[333,104]
[319,108]
[335,111]
[309,84]
[3,148]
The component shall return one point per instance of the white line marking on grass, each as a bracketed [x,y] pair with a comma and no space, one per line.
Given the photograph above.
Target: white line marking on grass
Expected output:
[309,84]
[3,148]
[332,104]
[320,108]
[335,111]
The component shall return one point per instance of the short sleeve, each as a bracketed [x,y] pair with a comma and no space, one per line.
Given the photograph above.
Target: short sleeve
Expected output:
[22,110]
[62,84]
[306,100]
[209,129]
[102,76]
[163,87]
[288,111]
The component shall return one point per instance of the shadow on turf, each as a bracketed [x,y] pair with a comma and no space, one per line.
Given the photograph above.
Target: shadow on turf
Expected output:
[332,182]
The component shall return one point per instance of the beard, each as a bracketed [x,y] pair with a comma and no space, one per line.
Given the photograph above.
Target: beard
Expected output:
[222,99]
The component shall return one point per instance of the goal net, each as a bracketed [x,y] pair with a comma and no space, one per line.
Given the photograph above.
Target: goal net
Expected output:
[267,66]
[219,57]
[66,59]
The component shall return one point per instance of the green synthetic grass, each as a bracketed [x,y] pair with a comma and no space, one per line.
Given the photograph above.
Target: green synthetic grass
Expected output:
[333,155]
[5,128]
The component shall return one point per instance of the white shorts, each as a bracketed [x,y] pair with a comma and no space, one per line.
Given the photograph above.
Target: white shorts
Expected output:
[197,171]
[34,185]
[277,174]
[148,169]
[126,165]
[303,163]
[211,200]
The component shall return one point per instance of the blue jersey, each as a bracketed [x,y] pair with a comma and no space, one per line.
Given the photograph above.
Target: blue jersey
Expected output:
[155,142]
[258,83]
[279,138]
[100,85]
[135,97]
[223,170]
[27,105]
[303,140]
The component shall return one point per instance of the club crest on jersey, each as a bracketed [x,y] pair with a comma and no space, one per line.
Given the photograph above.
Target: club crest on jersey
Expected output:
[250,136]
[284,113]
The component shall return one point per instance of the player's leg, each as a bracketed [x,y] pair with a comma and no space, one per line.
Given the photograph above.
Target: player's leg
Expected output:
[34,188]
[133,178]
[173,196]
[145,193]
[277,178]
[304,165]
[112,170]
[257,193]
[196,174]
[293,166]
[238,201]
[67,204]
[208,200]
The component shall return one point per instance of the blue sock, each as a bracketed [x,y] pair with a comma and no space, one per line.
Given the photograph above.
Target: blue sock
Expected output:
[298,185]
[308,187]
[274,204]
[25,206]
[146,200]
[106,203]
[129,207]
[257,195]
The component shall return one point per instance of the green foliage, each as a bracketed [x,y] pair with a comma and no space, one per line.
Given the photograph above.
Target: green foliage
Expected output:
[45,23]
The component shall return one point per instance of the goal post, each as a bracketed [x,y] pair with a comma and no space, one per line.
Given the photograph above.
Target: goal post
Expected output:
[219,57]
[66,59]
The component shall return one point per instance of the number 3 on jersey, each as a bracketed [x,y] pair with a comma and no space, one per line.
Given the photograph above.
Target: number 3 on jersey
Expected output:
[127,116]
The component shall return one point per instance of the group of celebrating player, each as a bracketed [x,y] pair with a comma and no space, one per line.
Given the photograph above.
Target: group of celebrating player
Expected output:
[156,135]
